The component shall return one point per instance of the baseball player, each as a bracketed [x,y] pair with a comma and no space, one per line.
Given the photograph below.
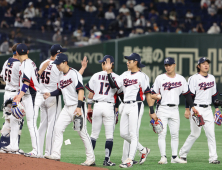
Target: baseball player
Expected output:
[203,89]
[170,85]
[134,84]
[28,74]
[104,109]
[71,87]
[11,127]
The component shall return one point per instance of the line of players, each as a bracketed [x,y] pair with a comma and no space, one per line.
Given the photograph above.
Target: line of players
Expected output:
[132,87]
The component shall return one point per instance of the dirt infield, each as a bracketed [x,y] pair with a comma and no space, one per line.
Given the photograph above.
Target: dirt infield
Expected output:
[11,161]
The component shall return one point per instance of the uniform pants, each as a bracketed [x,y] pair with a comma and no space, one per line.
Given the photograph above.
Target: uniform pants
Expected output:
[65,118]
[207,115]
[169,116]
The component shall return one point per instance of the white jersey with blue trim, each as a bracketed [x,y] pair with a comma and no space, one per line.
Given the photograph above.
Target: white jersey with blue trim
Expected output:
[203,88]
[99,85]
[170,88]
[134,85]
[29,72]
[69,84]
[10,74]
[50,77]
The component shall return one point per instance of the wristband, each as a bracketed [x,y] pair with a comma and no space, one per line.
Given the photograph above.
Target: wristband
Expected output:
[89,101]
[79,105]
[25,87]
[151,110]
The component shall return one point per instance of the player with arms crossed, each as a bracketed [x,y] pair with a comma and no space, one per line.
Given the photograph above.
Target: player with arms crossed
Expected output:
[10,74]
[203,89]
[103,111]
[134,84]
[71,87]
[166,89]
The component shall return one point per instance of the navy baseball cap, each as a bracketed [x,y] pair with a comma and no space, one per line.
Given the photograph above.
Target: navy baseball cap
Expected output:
[203,59]
[60,58]
[105,57]
[169,60]
[57,49]
[135,57]
[22,49]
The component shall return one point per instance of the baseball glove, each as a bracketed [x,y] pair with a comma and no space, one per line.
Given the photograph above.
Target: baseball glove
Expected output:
[7,106]
[157,125]
[116,116]
[77,123]
[89,116]
[18,110]
[218,117]
[198,119]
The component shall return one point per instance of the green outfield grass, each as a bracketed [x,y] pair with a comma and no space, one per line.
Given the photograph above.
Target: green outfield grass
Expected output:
[75,153]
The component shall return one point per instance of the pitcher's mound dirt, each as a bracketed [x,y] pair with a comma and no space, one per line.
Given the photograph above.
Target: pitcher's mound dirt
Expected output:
[11,161]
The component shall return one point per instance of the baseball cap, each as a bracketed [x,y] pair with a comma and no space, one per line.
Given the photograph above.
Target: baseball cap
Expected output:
[136,57]
[22,49]
[57,48]
[105,57]
[169,60]
[60,58]
[203,59]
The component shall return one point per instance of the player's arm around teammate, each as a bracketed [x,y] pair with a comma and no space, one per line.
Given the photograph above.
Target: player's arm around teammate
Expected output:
[203,88]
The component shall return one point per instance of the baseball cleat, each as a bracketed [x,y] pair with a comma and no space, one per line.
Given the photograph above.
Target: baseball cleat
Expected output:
[52,157]
[2,151]
[108,163]
[88,163]
[135,162]
[144,153]
[31,155]
[214,162]
[185,159]
[163,160]
[178,160]
[8,149]
[126,164]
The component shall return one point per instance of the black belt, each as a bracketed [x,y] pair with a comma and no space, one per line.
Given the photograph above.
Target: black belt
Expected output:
[13,91]
[201,105]
[101,101]
[129,102]
[171,105]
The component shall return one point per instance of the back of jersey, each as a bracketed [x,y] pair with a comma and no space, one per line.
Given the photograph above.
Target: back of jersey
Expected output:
[99,85]
[10,74]
[29,72]
[50,78]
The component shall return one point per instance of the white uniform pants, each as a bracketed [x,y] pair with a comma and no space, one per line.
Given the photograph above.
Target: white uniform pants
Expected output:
[169,116]
[50,109]
[65,118]
[126,145]
[129,125]
[196,131]
[103,113]
[38,101]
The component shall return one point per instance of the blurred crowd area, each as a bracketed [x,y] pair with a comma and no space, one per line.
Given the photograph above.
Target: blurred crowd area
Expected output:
[83,22]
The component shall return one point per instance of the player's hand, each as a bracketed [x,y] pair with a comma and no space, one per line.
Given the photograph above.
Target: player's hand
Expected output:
[216,110]
[46,95]
[108,65]
[195,111]
[153,116]
[89,110]
[78,111]
[17,98]
[156,96]
[84,62]
[187,113]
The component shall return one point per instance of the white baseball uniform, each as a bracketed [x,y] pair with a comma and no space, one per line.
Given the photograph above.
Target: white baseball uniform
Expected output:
[10,74]
[50,108]
[203,88]
[134,86]
[69,84]
[167,108]
[29,72]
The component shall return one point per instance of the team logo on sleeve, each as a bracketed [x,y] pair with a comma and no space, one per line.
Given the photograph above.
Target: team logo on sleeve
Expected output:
[127,82]
[173,85]
[65,83]
[205,86]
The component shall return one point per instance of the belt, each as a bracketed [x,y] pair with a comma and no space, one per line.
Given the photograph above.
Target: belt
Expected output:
[129,102]
[101,101]
[12,90]
[201,105]
[171,105]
